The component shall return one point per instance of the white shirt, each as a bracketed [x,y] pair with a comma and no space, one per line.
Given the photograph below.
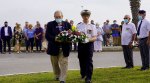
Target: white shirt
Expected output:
[127,32]
[145,28]
[6,31]
[89,29]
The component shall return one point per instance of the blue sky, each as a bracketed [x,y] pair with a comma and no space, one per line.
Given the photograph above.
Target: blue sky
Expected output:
[42,10]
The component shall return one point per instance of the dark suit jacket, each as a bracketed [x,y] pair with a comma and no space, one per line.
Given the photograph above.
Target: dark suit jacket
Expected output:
[53,46]
[3,32]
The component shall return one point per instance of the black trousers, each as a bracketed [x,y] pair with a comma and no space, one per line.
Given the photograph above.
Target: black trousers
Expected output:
[0,45]
[128,55]
[26,44]
[85,55]
[144,51]
[106,36]
[38,44]
[6,40]
[30,43]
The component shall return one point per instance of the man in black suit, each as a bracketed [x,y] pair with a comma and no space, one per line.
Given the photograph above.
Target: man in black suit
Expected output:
[6,35]
[59,51]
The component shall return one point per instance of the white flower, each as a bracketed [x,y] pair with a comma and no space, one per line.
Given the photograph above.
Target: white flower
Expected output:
[66,34]
[86,40]
[63,34]
[75,36]
[71,35]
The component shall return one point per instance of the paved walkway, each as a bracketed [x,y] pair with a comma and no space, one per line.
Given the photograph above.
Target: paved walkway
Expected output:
[40,62]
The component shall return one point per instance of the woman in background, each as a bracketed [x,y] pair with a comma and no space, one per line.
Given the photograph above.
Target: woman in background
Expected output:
[30,37]
[98,42]
[17,37]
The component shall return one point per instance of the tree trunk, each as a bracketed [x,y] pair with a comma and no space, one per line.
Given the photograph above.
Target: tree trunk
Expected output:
[135,6]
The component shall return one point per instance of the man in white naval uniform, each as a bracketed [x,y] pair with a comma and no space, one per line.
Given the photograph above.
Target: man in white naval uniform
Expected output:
[85,49]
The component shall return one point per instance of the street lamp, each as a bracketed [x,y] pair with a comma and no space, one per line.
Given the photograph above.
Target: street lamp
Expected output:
[82,7]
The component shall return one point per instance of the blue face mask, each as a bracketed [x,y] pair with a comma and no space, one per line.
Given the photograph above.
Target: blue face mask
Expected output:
[58,20]
[115,22]
[140,17]
[126,20]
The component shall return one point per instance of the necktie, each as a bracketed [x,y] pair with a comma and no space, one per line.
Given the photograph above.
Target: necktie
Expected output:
[138,32]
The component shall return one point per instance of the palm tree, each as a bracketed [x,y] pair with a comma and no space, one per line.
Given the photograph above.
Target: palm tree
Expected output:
[135,6]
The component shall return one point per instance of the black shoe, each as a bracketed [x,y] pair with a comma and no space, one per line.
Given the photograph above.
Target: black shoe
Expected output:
[3,52]
[144,68]
[130,67]
[62,81]
[57,79]
[82,77]
[88,81]
[127,67]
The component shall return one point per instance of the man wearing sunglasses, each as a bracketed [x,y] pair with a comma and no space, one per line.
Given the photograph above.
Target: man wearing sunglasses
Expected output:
[128,36]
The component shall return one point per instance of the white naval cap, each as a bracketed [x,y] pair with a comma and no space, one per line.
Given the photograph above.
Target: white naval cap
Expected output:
[85,12]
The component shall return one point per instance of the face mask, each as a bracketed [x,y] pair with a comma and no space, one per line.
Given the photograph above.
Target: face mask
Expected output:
[140,17]
[126,20]
[115,22]
[58,20]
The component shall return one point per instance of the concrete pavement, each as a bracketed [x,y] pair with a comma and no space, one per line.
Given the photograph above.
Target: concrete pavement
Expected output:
[40,62]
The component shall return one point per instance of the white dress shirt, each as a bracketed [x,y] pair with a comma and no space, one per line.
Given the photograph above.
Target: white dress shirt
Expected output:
[6,31]
[89,29]
[145,28]
[127,32]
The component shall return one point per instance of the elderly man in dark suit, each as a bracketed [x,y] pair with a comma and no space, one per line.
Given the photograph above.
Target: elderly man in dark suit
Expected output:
[59,51]
[6,35]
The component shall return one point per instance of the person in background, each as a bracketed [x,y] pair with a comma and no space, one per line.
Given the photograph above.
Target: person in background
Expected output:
[143,34]
[17,37]
[30,37]
[73,27]
[38,36]
[44,31]
[67,20]
[6,35]
[0,42]
[98,42]
[120,31]
[58,51]
[107,31]
[85,49]
[128,37]
[44,43]
[115,33]
[26,27]
[92,22]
